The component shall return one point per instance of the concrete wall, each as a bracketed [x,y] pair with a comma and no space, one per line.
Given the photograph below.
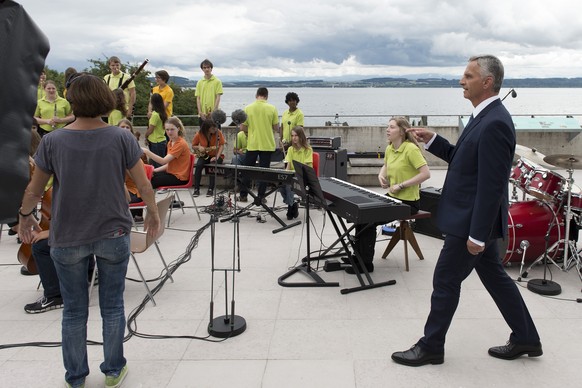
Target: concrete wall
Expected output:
[373,139]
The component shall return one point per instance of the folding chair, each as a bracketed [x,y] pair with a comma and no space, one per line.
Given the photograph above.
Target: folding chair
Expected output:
[187,186]
[149,170]
[141,241]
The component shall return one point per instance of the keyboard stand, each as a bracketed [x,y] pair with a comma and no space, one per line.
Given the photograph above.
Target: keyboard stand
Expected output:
[257,201]
[305,266]
[366,281]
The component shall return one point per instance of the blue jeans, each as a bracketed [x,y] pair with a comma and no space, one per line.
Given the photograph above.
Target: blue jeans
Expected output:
[200,163]
[46,269]
[159,149]
[72,264]
[288,195]
[238,159]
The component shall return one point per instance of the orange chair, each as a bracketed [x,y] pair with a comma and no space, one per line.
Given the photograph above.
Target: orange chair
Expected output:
[188,187]
[149,170]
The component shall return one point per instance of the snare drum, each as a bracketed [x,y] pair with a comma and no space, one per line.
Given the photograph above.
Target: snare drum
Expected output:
[530,221]
[521,173]
[545,184]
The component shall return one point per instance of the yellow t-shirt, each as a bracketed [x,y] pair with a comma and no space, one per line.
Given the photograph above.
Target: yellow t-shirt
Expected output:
[168,96]
[403,164]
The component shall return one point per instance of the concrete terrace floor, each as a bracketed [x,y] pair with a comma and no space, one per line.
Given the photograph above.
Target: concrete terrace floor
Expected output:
[296,337]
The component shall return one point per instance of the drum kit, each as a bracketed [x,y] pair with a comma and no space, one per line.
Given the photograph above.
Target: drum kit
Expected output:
[545,225]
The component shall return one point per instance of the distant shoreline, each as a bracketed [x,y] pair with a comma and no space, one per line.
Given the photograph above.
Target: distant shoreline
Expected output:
[389,82]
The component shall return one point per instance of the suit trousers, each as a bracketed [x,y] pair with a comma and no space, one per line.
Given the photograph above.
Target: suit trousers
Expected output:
[455,263]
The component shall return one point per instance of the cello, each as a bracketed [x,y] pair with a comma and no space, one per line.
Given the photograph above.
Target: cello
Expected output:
[24,255]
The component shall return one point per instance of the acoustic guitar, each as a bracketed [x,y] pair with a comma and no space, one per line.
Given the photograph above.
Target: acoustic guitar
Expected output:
[24,255]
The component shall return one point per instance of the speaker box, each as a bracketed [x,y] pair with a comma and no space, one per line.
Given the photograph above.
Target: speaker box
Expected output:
[333,163]
[429,200]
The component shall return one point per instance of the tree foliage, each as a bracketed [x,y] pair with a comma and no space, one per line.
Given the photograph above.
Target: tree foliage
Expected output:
[184,99]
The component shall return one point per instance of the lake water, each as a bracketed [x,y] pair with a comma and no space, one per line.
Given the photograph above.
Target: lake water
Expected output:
[373,106]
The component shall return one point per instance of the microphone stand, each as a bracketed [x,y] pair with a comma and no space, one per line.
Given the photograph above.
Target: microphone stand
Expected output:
[227,325]
[543,286]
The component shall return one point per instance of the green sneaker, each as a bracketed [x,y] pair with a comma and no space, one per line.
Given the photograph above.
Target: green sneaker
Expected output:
[112,381]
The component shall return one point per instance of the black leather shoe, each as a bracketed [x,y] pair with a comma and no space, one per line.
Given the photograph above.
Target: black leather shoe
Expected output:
[511,351]
[416,356]
[351,271]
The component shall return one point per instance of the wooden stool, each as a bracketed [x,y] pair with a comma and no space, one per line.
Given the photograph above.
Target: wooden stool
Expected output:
[404,232]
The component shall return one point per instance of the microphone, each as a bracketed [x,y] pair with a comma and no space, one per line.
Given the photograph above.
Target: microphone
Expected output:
[512,92]
[218,116]
[239,116]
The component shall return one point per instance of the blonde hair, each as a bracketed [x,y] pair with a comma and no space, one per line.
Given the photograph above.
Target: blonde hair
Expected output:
[403,125]
[302,138]
[176,122]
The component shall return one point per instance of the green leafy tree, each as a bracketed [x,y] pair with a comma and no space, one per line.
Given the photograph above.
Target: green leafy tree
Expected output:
[143,87]
[184,104]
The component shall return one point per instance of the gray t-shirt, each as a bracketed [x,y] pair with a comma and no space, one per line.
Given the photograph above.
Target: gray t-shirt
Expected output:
[89,167]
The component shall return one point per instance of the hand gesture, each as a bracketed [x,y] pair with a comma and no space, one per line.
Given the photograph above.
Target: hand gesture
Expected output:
[421,134]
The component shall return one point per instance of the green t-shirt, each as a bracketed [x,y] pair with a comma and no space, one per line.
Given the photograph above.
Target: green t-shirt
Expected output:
[207,90]
[303,155]
[289,121]
[402,164]
[159,134]
[241,140]
[47,110]
[261,117]
[115,82]
[115,117]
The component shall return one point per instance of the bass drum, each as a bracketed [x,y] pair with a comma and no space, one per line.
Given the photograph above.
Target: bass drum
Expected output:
[530,221]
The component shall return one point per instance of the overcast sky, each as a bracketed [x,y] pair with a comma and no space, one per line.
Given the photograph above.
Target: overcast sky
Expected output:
[315,38]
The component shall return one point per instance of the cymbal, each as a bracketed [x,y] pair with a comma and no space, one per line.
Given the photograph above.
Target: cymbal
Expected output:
[565,161]
[532,154]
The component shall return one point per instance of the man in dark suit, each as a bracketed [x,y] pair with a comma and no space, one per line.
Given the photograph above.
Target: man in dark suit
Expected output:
[473,215]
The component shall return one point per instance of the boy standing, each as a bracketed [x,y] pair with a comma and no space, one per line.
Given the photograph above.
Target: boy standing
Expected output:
[116,78]
[208,91]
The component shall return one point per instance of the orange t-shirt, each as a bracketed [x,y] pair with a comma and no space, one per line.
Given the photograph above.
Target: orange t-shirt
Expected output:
[201,140]
[180,165]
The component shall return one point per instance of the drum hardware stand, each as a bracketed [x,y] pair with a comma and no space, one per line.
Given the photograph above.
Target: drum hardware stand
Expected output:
[575,259]
[544,286]
[523,245]
[514,193]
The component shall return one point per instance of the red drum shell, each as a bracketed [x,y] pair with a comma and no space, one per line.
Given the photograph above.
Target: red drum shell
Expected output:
[575,201]
[521,173]
[545,184]
[530,220]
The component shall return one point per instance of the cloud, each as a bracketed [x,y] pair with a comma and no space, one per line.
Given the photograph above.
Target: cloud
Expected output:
[306,39]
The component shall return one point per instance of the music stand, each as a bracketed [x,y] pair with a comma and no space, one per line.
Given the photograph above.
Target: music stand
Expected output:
[310,188]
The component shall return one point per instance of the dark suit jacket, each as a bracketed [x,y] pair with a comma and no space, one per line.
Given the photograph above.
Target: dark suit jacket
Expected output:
[474,199]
